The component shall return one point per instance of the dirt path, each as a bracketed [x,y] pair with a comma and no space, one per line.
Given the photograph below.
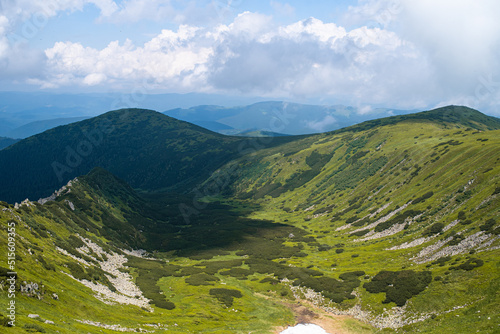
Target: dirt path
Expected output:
[306,313]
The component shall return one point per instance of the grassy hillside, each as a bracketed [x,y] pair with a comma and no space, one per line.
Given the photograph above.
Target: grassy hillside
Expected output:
[417,193]
[74,248]
[395,225]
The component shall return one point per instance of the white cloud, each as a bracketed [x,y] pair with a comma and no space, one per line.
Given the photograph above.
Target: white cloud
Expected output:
[251,55]
[407,54]
[321,125]
[94,79]
[283,9]
[136,10]
[250,25]
[20,23]
[170,59]
[461,41]
[313,28]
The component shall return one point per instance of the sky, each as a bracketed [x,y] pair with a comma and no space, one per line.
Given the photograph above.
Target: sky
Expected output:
[407,54]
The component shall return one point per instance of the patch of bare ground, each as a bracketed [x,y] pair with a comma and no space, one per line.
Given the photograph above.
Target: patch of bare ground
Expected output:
[306,313]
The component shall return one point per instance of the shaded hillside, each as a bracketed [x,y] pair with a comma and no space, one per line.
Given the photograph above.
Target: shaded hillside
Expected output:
[71,251]
[149,150]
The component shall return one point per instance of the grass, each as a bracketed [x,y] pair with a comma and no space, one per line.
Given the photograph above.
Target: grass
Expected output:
[247,243]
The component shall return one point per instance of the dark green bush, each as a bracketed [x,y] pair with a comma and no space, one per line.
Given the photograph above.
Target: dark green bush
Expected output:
[34,328]
[488,226]
[225,296]
[212,267]
[236,272]
[442,260]
[352,219]
[201,279]
[352,275]
[361,222]
[398,219]
[423,197]
[359,233]
[323,248]
[457,238]
[399,286]
[463,196]
[469,264]
[433,229]
[47,266]
[269,280]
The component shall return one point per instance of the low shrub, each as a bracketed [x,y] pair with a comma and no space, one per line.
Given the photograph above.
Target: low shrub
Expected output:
[237,272]
[423,197]
[269,280]
[488,226]
[433,229]
[469,264]
[201,279]
[442,260]
[359,233]
[398,219]
[399,286]
[225,296]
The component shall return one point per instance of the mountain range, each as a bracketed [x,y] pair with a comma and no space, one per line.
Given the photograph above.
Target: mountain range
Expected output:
[278,117]
[390,225]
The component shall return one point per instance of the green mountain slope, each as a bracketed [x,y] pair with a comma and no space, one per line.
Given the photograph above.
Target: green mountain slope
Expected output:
[148,150]
[74,247]
[395,226]
[419,192]
[446,116]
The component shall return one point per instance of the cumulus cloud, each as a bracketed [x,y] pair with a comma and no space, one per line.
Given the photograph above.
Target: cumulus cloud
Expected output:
[251,55]
[20,23]
[283,9]
[171,59]
[322,125]
[461,40]
[407,54]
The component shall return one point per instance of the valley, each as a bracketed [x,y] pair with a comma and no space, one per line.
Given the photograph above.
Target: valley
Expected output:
[158,225]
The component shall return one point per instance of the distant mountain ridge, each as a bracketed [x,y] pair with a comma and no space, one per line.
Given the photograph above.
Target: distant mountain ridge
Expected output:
[280,117]
[6,142]
[155,152]
[37,127]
